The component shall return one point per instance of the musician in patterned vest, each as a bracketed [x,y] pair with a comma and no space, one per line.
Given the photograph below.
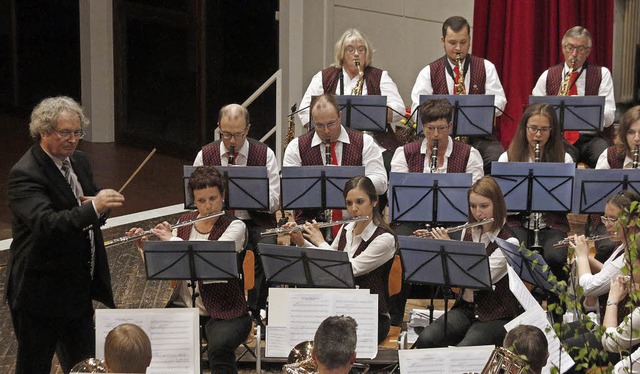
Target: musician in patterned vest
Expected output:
[342,77]
[233,120]
[371,244]
[586,80]
[478,317]
[222,304]
[618,156]
[346,147]
[479,75]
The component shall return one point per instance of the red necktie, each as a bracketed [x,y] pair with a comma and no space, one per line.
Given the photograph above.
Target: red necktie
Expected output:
[336,214]
[572,136]
[233,162]
[456,70]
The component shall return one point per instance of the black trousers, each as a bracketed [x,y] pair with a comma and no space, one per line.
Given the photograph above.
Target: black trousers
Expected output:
[72,339]
[223,337]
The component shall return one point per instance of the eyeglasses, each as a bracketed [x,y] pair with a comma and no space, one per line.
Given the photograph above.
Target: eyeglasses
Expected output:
[606,220]
[66,134]
[541,130]
[581,48]
[329,125]
[227,136]
[351,50]
[431,129]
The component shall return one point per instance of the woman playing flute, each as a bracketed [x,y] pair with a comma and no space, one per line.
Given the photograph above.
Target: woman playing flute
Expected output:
[371,244]
[222,303]
[478,317]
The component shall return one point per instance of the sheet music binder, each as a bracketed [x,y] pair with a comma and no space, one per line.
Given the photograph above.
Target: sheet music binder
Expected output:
[576,112]
[428,197]
[312,187]
[365,113]
[473,115]
[306,267]
[247,187]
[593,187]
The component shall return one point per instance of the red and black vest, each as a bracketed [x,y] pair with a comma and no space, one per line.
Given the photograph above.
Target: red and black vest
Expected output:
[257,157]
[614,160]
[221,300]
[592,82]
[500,303]
[457,162]
[377,281]
[439,73]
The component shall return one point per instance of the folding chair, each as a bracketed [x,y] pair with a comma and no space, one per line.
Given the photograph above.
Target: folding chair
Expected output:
[249,282]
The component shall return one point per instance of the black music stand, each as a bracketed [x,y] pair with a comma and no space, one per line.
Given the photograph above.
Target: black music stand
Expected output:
[246,187]
[444,263]
[529,265]
[429,197]
[191,260]
[576,112]
[365,113]
[473,115]
[306,267]
[316,187]
[593,187]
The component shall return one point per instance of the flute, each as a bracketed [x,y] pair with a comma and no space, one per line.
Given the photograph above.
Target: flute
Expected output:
[457,228]
[280,230]
[124,239]
[567,240]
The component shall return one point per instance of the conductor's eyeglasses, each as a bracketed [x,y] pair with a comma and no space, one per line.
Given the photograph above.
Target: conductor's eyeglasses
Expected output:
[581,48]
[607,220]
[536,129]
[66,134]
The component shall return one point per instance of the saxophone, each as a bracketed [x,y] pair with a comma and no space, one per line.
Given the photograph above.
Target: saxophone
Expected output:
[459,84]
[566,82]
[291,130]
[434,156]
[357,90]
[634,165]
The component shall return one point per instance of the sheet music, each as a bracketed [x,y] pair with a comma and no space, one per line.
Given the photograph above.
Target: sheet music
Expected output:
[174,336]
[444,360]
[557,354]
[521,292]
[296,314]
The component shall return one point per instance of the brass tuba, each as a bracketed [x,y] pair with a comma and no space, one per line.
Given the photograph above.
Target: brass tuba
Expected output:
[459,84]
[565,86]
[357,90]
[503,360]
[300,360]
[90,365]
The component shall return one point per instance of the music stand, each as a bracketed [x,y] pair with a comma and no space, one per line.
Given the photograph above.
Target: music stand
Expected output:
[246,187]
[308,187]
[429,197]
[444,263]
[593,187]
[576,112]
[529,265]
[365,113]
[191,260]
[306,267]
[473,115]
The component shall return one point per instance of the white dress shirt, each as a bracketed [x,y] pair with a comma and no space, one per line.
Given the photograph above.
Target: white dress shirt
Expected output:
[606,90]
[273,172]
[387,88]
[599,283]
[504,157]
[474,164]
[371,157]
[492,85]
[629,365]
[236,232]
[378,252]
[603,161]
[623,337]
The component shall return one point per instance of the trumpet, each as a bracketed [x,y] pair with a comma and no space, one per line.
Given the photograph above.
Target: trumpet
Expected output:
[434,156]
[124,239]
[567,240]
[634,165]
[457,228]
[280,230]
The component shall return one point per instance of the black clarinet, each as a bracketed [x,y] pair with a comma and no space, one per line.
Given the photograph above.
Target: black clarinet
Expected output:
[536,216]
[634,165]
[434,156]
[328,213]
[231,159]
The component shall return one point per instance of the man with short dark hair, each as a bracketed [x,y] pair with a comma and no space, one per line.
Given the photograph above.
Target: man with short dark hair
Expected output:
[334,345]
[529,342]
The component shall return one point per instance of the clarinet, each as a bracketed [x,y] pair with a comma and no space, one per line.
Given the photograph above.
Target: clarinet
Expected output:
[328,213]
[634,165]
[434,156]
[536,216]
[232,154]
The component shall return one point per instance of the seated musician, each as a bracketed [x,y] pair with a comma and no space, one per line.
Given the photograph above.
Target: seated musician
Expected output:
[530,343]
[619,156]
[235,148]
[371,244]
[478,317]
[334,345]
[229,323]
[331,143]
[539,125]
[127,349]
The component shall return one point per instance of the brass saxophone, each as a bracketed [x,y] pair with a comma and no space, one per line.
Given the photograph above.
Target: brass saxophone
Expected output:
[459,84]
[357,90]
[291,130]
[634,165]
[566,82]
[434,156]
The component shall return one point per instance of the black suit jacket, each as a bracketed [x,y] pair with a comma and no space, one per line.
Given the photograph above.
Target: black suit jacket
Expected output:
[48,271]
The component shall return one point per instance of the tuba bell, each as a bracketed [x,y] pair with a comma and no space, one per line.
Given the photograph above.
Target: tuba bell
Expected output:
[300,360]
[503,360]
[90,365]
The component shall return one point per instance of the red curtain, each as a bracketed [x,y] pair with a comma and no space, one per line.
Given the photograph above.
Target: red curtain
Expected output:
[523,39]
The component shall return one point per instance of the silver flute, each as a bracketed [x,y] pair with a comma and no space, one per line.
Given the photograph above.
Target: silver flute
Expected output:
[281,230]
[457,228]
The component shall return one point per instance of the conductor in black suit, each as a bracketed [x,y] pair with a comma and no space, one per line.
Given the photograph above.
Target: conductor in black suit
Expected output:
[57,261]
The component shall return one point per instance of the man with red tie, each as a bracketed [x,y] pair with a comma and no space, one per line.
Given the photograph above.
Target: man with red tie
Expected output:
[346,147]
[479,76]
[586,80]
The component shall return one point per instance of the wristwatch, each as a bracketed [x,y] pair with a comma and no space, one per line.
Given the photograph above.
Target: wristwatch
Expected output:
[611,302]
